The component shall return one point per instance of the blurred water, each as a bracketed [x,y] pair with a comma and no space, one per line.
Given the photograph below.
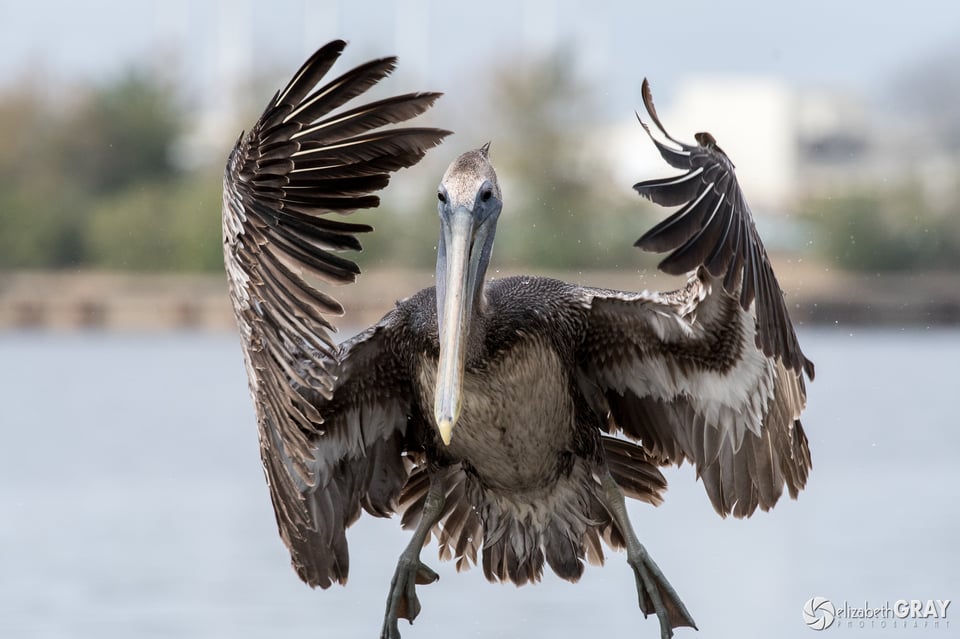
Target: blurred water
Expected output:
[132,504]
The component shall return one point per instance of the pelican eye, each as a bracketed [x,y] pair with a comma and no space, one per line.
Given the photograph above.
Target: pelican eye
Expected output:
[486,195]
[442,196]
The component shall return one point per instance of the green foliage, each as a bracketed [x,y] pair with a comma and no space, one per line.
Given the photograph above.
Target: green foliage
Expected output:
[155,225]
[898,229]
[120,134]
[557,213]
[68,157]
[86,179]
[39,230]
[562,209]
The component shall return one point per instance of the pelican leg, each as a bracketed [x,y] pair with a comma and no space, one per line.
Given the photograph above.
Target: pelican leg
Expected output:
[655,593]
[402,600]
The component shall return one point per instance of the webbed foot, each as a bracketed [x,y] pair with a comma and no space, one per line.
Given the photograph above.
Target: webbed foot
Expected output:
[402,601]
[655,594]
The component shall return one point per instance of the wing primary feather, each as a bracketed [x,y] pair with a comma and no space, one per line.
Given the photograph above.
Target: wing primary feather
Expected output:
[714,229]
[310,73]
[312,154]
[342,90]
[712,373]
[694,251]
[647,96]
[673,190]
[679,227]
[376,114]
[676,159]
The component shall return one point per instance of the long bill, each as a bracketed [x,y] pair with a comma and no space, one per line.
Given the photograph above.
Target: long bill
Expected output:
[460,277]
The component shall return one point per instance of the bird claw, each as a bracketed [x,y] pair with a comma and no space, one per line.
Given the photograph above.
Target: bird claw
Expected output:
[402,602]
[656,595]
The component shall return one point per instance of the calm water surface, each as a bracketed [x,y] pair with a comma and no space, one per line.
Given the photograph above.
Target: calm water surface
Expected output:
[132,504]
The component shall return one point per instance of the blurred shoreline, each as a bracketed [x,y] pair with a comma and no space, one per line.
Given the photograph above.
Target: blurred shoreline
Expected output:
[63,301]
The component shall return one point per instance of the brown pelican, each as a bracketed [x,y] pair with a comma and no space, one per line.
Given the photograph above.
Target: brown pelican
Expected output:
[507,417]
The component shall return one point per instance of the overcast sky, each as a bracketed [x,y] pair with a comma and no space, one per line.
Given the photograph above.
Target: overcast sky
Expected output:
[853,44]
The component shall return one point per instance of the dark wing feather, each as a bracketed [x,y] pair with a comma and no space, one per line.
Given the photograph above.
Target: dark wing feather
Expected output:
[712,373]
[332,420]
[679,373]
[715,229]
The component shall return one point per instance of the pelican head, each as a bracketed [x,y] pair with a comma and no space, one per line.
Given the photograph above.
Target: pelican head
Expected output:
[470,204]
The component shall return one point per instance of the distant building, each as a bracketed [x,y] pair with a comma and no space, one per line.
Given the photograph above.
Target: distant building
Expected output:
[789,144]
[836,142]
[754,121]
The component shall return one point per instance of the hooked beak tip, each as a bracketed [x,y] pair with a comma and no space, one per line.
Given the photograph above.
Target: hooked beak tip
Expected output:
[446,430]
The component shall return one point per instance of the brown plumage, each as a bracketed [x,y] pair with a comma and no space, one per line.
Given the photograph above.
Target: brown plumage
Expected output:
[569,397]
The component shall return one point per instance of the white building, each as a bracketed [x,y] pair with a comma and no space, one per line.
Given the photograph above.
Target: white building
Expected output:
[753,120]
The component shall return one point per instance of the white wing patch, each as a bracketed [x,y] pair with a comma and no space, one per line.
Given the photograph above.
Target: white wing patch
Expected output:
[680,372]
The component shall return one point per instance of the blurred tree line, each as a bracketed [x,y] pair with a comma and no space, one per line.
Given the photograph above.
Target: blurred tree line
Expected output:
[89,180]
[895,229]
[909,221]
[564,209]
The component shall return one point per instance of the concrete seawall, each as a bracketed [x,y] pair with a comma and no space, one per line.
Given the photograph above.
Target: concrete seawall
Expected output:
[107,301]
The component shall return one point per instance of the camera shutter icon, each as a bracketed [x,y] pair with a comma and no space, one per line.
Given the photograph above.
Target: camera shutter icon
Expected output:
[819,613]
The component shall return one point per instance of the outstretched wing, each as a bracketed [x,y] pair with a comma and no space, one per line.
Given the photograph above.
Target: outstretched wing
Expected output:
[714,229]
[304,159]
[712,373]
